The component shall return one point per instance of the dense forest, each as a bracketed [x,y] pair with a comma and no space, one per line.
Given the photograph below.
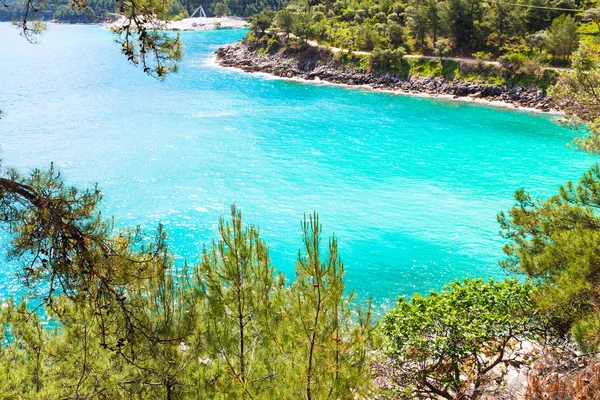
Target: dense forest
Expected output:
[62,10]
[530,31]
[103,10]
[240,8]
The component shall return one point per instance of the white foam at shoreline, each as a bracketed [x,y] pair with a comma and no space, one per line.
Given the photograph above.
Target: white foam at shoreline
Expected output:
[212,61]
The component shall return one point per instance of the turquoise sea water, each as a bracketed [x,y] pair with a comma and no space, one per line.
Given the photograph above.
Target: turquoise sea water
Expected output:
[410,186]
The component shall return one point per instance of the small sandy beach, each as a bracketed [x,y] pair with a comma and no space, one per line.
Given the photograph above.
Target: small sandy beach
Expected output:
[193,24]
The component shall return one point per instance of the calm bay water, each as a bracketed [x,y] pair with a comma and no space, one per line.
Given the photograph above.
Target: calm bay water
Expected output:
[410,186]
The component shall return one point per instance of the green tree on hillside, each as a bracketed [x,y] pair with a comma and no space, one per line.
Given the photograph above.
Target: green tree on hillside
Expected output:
[556,241]
[303,26]
[562,37]
[538,40]
[176,10]
[262,21]
[221,9]
[459,17]
[285,21]
[395,35]
[417,21]
[434,19]
[504,21]
[579,92]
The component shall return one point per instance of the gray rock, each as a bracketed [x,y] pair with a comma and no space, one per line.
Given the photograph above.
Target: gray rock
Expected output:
[312,63]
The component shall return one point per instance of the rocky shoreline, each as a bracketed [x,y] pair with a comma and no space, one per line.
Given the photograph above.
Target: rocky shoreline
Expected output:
[314,64]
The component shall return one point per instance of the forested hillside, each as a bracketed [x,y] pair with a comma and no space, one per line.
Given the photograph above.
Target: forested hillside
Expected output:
[240,8]
[61,10]
[101,10]
[533,31]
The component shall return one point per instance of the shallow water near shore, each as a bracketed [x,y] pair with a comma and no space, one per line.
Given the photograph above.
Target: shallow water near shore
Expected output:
[410,185]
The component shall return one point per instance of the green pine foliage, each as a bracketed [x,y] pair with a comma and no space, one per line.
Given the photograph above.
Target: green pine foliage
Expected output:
[562,36]
[122,321]
[156,52]
[61,10]
[238,284]
[579,91]
[95,11]
[555,242]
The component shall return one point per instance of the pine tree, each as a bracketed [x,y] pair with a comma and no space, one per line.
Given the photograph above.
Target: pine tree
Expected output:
[237,280]
[332,361]
[130,324]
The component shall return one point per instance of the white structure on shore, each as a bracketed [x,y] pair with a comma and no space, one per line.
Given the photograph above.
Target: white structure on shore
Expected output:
[202,13]
[193,24]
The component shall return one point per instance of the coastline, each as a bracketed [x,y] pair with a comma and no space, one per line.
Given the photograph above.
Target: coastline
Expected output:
[288,67]
[191,24]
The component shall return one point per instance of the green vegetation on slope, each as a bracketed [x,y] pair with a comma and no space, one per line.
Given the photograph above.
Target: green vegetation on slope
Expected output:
[579,91]
[240,8]
[103,10]
[61,10]
[519,36]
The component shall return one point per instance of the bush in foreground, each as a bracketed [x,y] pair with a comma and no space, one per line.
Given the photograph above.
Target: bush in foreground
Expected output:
[457,343]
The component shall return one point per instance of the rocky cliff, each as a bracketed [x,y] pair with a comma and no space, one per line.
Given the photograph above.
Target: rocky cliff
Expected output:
[313,63]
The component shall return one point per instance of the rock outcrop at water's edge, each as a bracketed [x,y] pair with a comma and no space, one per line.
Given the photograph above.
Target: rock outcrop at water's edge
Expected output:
[314,63]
